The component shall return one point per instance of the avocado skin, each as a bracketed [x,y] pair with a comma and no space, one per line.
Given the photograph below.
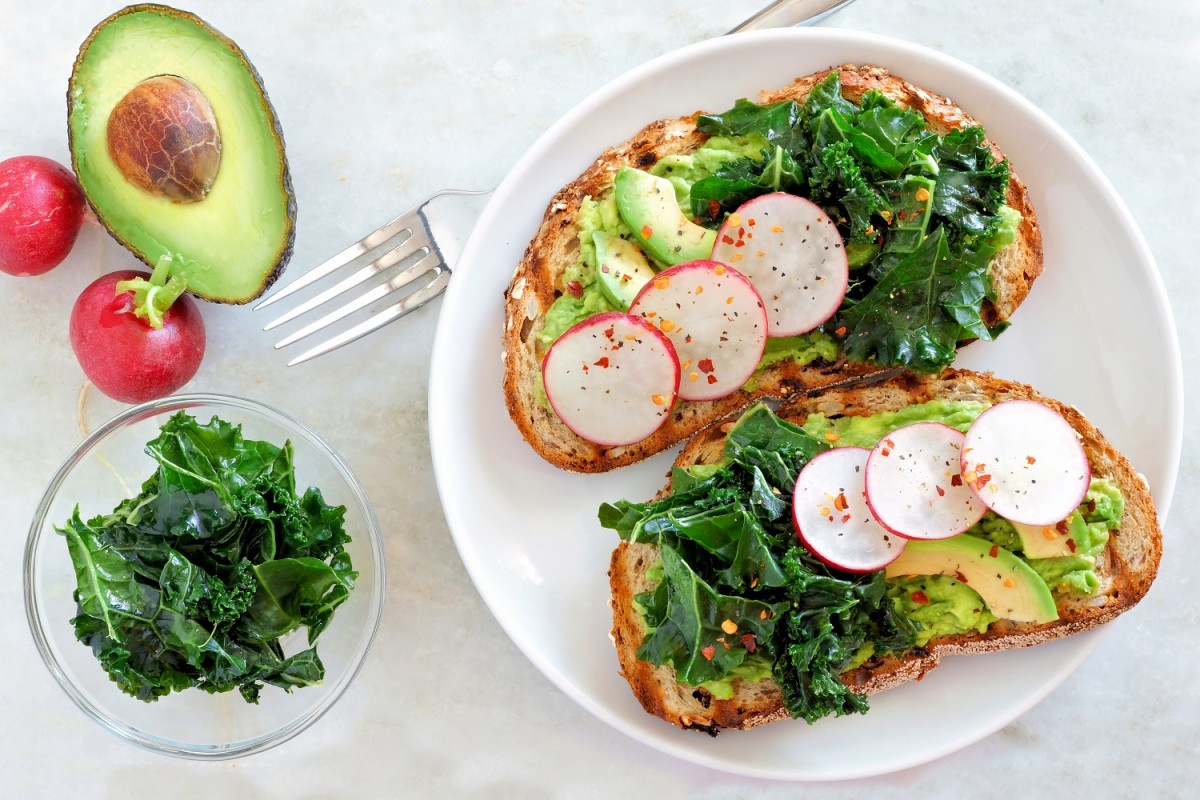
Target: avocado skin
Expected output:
[285,178]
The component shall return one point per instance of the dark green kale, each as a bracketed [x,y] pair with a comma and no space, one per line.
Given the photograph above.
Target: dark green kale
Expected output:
[731,561]
[195,581]
[912,207]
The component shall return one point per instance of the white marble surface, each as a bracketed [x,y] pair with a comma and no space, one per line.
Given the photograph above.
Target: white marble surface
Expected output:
[383,103]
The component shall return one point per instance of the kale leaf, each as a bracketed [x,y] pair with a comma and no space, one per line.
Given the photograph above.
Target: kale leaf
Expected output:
[195,581]
[730,561]
[895,188]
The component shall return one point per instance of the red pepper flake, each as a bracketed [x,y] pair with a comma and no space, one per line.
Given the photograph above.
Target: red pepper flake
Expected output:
[920,598]
[845,518]
[749,642]
[995,551]
[1030,459]
[705,365]
[961,578]
[1062,527]
[608,332]
[647,231]
[752,222]
[708,652]
[714,208]
[889,443]
[941,492]
[575,289]
[602,362]
[1071,544]
[956,480]
[726,238]
[840,502]
[712,379]
[841,331]
[885,452]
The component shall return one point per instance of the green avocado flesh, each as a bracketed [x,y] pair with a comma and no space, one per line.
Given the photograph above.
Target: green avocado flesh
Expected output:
[231,244]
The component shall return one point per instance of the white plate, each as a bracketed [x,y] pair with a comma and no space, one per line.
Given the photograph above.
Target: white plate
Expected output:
[528,532]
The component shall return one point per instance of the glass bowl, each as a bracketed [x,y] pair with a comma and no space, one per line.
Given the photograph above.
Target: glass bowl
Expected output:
[111,465]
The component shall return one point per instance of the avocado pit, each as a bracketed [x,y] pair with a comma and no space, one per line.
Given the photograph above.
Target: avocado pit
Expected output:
[163,137]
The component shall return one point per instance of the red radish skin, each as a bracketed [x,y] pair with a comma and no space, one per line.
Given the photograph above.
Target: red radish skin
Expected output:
[1026,463]
[914,484]
[41,211]
[612,378]
[715,319]
[832,517]
[124,356]
[791,251]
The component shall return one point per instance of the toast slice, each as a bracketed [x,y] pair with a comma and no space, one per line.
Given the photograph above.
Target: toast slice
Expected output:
[538,280]
[1126,567]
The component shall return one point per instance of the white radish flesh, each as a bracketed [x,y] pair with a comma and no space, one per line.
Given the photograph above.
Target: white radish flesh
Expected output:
[611,379]
[832,518]
[714,318]
[914,484]
[1026,462]
[792,252]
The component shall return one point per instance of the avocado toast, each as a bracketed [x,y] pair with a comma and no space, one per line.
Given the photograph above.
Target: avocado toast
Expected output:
[978,262]
[773,632]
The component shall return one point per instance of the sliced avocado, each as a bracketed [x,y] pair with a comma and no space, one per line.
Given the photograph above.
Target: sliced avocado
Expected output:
[229,232]
[623,269]
[1009,586]
[1051,541]
[647,204]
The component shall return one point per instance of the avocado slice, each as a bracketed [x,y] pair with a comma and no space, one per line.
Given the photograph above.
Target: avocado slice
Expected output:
[1009,586]
[623,269]
[229,232]
[648,205]
[1051,541]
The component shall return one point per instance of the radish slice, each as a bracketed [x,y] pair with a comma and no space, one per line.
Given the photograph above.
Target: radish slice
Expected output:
[832,518]
[715,319]
[792,252]
[611,379]
[914,484]
[1026,462]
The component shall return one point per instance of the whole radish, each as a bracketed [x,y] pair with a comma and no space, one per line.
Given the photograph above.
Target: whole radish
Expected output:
[138,337]
[41,210]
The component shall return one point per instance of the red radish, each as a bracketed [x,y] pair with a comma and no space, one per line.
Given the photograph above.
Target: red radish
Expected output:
[792,252]
[126,356]
[914,485]
[831,515]
[612,378]
[714,318]
[41,210]
[1026,462]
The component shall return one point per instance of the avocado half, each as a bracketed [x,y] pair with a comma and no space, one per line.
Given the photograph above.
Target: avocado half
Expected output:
[233,238]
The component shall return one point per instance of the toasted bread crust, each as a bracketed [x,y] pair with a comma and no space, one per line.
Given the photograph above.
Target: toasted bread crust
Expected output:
[555,247]
[1127,566]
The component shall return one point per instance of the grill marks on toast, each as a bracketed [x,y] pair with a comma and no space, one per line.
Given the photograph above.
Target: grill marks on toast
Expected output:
[1126,568]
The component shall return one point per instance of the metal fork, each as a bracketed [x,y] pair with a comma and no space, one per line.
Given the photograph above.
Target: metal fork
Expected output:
[423,242]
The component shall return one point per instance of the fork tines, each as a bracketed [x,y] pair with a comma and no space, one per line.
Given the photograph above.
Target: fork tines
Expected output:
[417,274]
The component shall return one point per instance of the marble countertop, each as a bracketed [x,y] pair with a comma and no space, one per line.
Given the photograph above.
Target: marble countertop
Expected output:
[384,103]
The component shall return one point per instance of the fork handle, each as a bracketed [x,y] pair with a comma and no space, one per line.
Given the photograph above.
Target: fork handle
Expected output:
[785,13]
